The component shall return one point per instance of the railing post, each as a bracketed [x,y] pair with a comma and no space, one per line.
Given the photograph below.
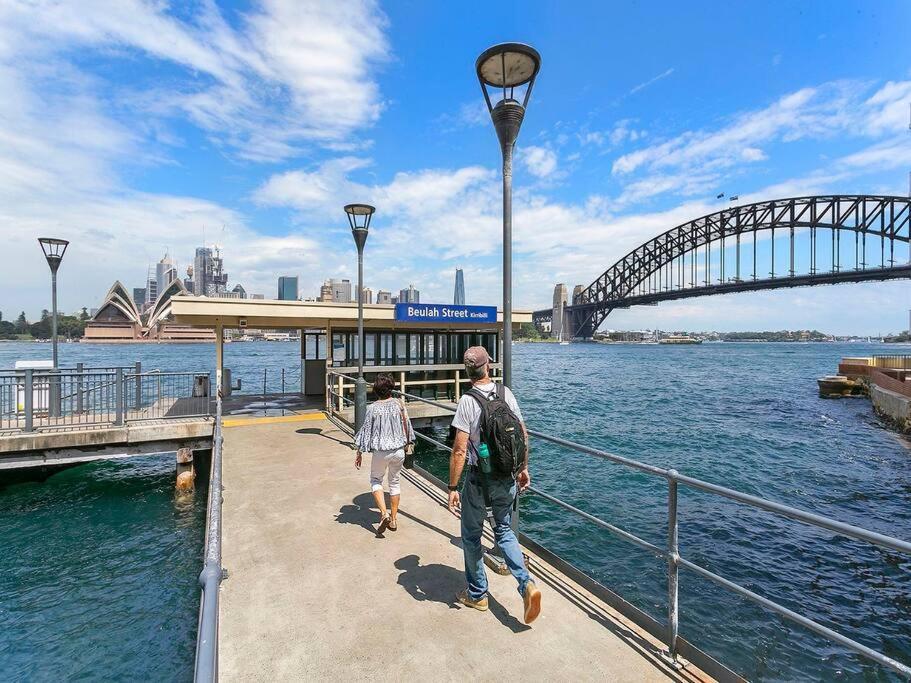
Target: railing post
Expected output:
[283,380]
[53,393]
[118,397]
[458,389]
[28,400]
[341,393]
[673,555]
[138,385]
[80,406]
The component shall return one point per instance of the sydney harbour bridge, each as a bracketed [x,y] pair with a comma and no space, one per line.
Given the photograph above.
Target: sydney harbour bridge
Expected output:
[793,242]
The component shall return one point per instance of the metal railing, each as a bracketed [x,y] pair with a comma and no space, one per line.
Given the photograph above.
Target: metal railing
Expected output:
[212,574]
[671,552]
[444,382]
[45,400]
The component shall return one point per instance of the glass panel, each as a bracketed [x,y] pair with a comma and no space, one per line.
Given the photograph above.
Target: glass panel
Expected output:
[386,349]
[414,349]
[443,348]
[427,357]
[370,355]
[401,349]
[321,346]
[338,349]
[353,347]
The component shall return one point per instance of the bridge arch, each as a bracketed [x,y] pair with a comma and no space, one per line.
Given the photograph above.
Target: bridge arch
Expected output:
[679,262]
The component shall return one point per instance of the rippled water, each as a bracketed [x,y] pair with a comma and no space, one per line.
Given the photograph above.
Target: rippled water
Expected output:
[743,415]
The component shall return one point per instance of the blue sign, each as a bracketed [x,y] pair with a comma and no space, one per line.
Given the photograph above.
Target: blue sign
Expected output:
[444,313]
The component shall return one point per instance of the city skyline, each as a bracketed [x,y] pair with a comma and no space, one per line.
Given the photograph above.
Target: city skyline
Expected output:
[240,149]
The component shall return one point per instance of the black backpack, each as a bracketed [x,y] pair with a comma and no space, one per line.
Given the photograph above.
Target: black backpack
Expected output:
[502,431]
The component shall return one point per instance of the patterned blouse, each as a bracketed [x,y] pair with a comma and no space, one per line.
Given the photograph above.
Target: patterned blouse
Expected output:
[382,429]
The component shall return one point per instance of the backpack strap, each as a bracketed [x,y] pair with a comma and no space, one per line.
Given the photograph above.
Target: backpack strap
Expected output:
[478,396]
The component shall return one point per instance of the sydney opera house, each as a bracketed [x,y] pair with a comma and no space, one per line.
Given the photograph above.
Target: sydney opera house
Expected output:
[119,320]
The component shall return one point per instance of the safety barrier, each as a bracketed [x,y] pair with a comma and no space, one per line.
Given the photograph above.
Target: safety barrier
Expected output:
[671,552]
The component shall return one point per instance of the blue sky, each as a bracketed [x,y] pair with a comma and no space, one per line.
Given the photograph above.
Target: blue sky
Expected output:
[134,127]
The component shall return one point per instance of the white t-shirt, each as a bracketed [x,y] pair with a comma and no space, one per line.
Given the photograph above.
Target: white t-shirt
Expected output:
[468,416]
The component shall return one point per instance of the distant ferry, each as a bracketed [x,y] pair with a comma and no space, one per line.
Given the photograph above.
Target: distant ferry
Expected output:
[679,339]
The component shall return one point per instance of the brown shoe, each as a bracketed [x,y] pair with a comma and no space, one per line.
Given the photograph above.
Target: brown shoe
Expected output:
[532,599]
[468,601]
[384,524]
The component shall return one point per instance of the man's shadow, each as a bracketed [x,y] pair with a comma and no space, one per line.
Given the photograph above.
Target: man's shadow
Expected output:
[441,583]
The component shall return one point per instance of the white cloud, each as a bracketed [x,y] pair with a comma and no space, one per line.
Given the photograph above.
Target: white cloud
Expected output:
[541,162]
[290,73]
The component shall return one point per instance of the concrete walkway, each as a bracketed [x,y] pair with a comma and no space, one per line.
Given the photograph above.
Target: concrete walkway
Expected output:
[313,594]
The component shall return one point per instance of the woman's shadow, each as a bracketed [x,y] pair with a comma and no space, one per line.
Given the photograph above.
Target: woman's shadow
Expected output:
[440,583]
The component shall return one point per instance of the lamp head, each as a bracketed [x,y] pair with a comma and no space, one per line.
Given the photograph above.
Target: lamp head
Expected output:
[53,249]
[502,70]
[359,216]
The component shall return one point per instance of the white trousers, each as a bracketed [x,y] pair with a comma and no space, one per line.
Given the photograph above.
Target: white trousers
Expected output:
[383,461]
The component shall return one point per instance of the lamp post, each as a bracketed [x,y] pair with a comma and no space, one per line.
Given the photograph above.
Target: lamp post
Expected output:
[359,216]
[53,252]
[506,67]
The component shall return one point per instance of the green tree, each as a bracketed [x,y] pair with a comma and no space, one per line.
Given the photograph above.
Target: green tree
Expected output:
[21,323]
[84,315]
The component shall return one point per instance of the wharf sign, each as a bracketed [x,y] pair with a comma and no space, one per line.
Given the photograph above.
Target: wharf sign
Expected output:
[444,313]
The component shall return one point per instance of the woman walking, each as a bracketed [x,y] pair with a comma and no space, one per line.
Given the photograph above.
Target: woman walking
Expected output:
[385,433]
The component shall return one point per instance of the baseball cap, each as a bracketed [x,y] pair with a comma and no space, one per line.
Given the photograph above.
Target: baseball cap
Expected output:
[475,357]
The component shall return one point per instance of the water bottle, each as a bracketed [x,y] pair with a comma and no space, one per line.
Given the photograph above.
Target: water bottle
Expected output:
[484,458]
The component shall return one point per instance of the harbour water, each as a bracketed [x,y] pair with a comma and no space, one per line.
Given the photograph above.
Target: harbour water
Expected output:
[101,558]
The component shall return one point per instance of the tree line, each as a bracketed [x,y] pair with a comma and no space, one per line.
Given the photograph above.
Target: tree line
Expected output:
[68,326]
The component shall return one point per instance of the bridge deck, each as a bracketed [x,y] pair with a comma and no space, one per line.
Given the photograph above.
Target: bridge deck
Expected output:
[314,594]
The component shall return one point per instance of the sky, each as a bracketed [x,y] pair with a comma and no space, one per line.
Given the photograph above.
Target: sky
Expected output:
[135,128]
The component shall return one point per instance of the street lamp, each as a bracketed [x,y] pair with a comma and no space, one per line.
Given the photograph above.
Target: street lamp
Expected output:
[53,249]
[359,216]
[505,68]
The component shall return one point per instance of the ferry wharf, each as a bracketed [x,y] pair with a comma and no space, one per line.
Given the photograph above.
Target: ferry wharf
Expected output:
[313,594]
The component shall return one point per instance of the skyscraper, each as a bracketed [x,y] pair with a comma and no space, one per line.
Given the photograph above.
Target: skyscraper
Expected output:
[325,292]
[341,290]
[368,295]
[165,273]
[383,297]
[151,287]
[459,296]
[209,278]
[410,295]
[287,288]
[139,297]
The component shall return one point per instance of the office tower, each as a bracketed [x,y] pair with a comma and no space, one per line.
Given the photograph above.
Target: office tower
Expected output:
[257,296]
[341,290]
[459,296]
[209,278]
[368,295]
[410,295]
[556,325]
[395,300]
[239,291]
[151,287]
[325,292]
[139,297]
[188,280]
[287,288]
[165,273]
[383,297]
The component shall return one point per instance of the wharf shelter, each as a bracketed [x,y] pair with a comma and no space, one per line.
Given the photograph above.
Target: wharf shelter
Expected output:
[424,358]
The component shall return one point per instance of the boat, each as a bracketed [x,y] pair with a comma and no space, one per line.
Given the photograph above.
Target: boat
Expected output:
[679,339]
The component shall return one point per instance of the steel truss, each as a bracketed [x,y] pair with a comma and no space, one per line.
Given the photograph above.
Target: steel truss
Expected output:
[680,263]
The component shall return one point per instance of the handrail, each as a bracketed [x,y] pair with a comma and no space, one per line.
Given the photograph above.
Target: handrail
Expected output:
[212,574]
[672,554]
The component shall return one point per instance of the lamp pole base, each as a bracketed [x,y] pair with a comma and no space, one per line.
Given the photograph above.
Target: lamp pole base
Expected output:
[360,402]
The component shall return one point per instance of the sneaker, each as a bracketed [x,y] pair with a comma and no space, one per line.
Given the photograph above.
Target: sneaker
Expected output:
[469,601]
[532,600]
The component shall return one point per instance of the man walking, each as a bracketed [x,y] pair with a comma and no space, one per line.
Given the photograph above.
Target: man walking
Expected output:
[501,490]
